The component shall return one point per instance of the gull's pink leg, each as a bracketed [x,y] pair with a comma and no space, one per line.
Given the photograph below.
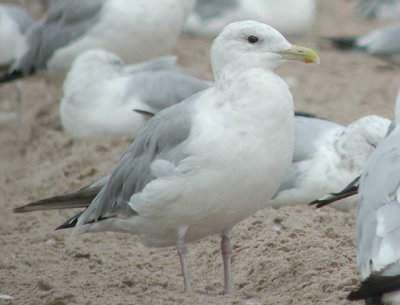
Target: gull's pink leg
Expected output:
[226,251]
[182,251]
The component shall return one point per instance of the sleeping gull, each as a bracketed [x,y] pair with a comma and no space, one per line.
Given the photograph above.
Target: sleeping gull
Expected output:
[290,17]
[102,97]
[199,167]
[379,9]
[383,42]
[135,30]
[328,156]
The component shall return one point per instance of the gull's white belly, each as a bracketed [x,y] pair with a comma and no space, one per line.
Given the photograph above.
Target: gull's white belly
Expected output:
[214,189]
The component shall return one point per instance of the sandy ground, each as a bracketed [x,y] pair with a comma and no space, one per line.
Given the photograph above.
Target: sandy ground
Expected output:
[294,255]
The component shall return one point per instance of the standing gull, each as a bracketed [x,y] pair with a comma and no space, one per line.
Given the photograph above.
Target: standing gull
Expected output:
[377,222]
[102,96]
[136,30]
[199,167]
[327,157]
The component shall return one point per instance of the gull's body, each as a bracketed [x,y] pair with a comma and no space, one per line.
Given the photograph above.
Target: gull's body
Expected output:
[135,30]
[199,167]
[327,157]
[290,17]
[101,94]
[14,21]
[377,222]
[383,42]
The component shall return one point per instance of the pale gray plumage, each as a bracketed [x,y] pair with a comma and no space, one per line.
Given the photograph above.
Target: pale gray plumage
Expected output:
[19,15]
[379,9]
[64,22]
[307,133]
[162,138]
[377,222]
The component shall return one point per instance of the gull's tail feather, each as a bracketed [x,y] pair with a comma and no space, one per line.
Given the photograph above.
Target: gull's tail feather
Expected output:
[373,287]
[11,76]
[348,191]
[341,43]
[79,199]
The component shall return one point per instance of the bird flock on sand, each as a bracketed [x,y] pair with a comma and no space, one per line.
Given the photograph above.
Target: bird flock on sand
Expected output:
[185,177]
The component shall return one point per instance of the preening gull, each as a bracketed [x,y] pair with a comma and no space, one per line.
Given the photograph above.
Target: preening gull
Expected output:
[327,157]
[136,30]
[377,222]
[102,96]
[379,9]
[14,21]
[199,167]
[383,42]
[290,17]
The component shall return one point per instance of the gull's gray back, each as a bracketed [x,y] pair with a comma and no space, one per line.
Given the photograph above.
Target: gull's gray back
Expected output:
[162,89]
[19,15]
[378,210]
[307,133]
[161,138]
[65,22]
[208,9]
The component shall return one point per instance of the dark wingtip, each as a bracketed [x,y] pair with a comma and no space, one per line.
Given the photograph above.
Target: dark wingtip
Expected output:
[305,114]
[341,43]
[373,287]
[11,76]
[70,223]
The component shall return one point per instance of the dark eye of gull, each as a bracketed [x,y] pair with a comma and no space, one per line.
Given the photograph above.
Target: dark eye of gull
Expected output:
[252,39]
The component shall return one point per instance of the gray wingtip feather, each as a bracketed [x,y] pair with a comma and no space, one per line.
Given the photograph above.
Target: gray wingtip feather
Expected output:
[80,199]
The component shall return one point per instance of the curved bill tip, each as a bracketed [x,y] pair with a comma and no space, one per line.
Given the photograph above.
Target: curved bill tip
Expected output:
[303,54]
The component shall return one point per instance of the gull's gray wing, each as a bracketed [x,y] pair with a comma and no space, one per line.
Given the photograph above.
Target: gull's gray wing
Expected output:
[208,9]
[162,89]
[308,132]
[378,211]
[19,15]
[65,22]
[383,41]
[162,138]
[156,64]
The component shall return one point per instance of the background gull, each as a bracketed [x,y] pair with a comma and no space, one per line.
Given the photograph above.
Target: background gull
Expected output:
[101,94]
[383,42]
[290,17]
[120,26]
[377,224]
[379,9]
[178,182]
[328,156]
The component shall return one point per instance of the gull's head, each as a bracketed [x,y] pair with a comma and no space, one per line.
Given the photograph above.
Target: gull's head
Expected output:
[98,61]
[249,44]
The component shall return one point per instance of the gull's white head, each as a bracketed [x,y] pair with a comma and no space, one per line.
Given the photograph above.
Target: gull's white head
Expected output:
[249,44]
[98,61]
